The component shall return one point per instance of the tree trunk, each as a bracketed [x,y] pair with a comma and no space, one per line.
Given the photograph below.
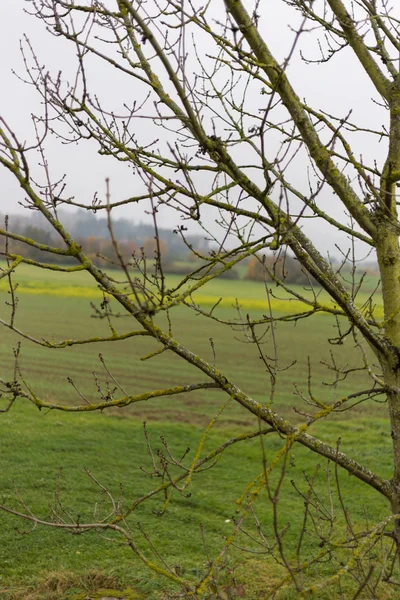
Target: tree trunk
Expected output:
[388,253]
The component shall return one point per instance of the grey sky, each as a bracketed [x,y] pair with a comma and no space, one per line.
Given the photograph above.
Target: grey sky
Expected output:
[336,87]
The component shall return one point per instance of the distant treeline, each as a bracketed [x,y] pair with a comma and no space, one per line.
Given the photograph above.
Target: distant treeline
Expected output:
[137,240]
[92,233]
[283,267]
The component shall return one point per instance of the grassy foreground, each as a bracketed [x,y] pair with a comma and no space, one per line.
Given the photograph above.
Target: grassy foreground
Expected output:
[48,564]
[34,448]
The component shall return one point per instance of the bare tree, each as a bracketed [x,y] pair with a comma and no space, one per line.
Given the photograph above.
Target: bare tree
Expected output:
[225,137]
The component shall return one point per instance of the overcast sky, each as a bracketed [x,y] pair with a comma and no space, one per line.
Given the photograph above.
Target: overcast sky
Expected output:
[336,87]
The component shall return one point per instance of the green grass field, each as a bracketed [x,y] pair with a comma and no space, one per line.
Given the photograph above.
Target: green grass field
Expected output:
[251,295]
[51,564]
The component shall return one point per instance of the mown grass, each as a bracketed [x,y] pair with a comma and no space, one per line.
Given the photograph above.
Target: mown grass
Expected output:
[33,450]
[112,445]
